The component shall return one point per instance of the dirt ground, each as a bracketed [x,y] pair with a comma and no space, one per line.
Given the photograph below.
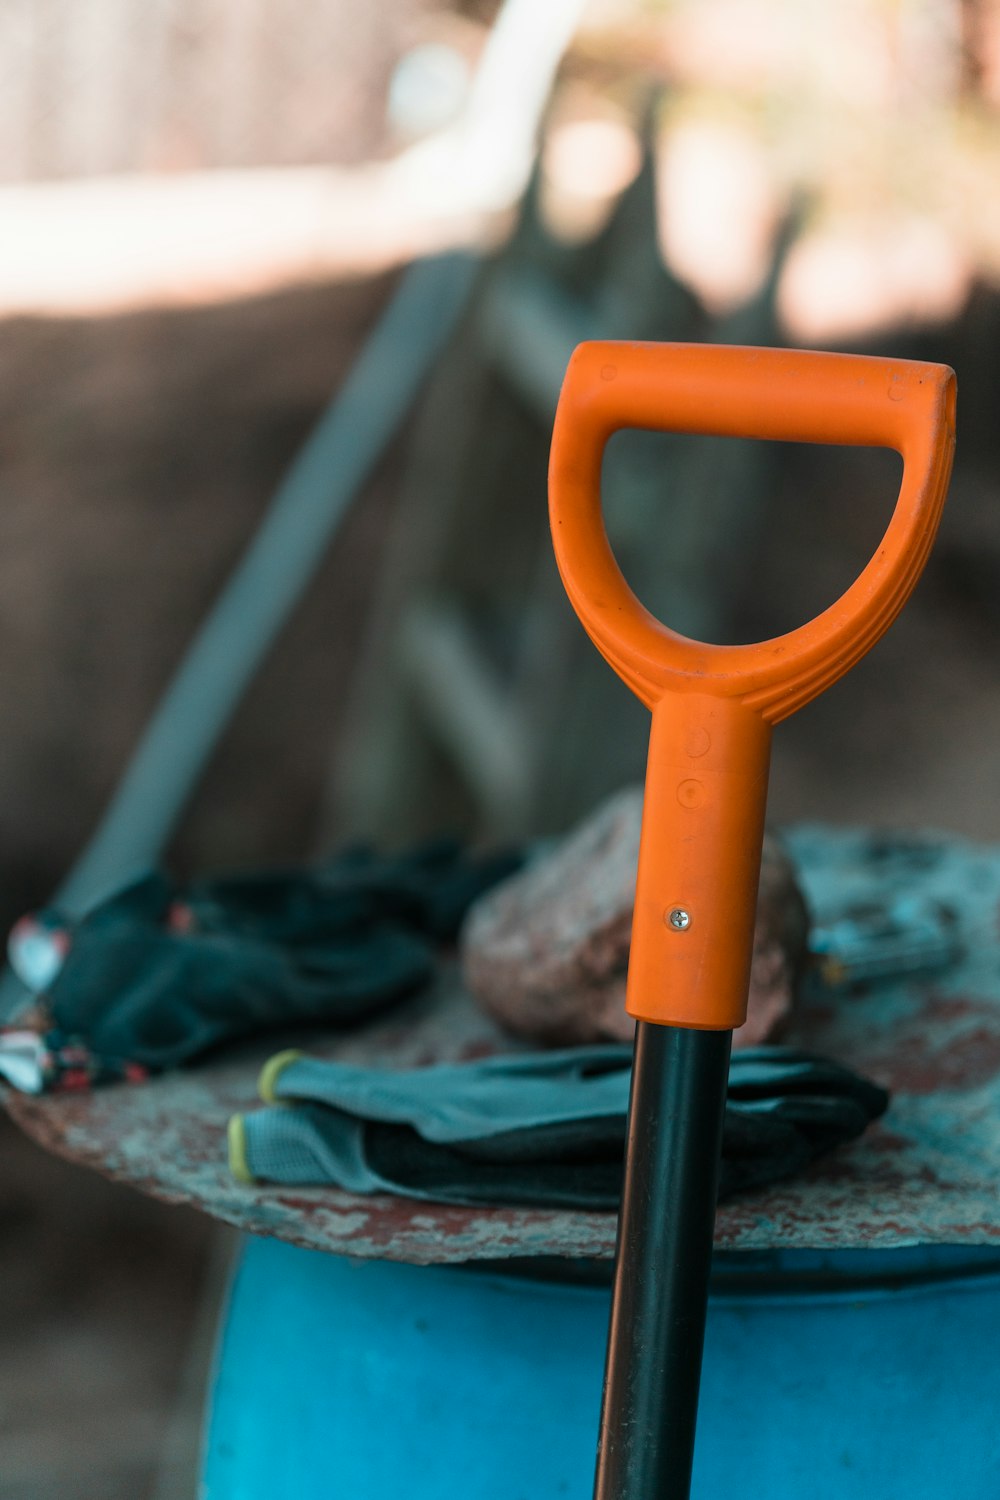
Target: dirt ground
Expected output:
[137,453]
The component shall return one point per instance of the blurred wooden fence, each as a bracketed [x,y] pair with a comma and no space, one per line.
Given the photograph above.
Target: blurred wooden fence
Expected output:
[95,86]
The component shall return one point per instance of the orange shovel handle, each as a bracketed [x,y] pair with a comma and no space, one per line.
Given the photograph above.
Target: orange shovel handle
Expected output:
[714,706]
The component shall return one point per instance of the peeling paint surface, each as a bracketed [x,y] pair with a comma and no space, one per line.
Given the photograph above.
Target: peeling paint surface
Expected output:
[928,1173]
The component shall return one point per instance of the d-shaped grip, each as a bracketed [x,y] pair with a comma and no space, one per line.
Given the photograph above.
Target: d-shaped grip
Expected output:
[713,706]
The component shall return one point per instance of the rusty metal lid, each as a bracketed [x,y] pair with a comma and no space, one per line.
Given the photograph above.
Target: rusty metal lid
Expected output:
[925,1174]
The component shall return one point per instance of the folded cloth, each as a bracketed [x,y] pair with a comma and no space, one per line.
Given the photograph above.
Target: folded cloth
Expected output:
[160,972]
[542,1129]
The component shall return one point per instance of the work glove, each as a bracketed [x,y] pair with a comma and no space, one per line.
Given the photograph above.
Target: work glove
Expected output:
[540,1129]
[159,972]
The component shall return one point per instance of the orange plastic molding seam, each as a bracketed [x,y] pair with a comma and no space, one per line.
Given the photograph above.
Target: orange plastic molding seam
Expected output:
[714,707]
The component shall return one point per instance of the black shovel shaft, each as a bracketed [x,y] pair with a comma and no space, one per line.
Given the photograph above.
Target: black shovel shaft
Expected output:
[660,1294]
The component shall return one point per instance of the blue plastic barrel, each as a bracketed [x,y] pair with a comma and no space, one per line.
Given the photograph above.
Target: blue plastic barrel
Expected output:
[869,1374]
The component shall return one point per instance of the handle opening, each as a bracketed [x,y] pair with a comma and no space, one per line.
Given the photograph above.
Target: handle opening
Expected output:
[786,395]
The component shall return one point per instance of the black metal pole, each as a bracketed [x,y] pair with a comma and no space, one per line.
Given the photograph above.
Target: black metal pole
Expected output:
[662,1265]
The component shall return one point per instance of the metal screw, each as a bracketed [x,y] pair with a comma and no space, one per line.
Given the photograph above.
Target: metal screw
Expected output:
[679,919]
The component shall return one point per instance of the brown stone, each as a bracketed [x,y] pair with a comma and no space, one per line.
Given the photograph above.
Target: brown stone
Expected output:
[546,951]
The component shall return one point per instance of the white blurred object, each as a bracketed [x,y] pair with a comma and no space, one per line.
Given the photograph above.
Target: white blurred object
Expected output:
[22,1060]
[720,211]
[844,280]
[586,164]
[94,245]
[428,90]
[482,162]
[36,951]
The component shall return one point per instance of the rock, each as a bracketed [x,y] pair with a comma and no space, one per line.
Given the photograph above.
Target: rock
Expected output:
[546,951]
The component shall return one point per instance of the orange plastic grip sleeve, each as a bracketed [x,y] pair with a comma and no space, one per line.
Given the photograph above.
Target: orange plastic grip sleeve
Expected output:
[713,706]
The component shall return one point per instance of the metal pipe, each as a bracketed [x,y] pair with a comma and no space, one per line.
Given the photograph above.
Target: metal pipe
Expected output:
[662,1265]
